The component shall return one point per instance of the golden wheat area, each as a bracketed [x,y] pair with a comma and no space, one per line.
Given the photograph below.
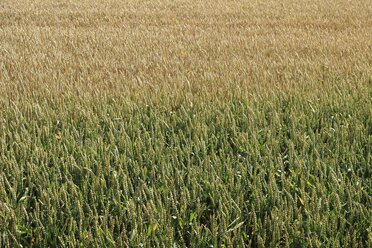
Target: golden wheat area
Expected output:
[185,123]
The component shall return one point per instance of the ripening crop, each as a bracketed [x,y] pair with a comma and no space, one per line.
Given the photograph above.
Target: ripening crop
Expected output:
[185,123]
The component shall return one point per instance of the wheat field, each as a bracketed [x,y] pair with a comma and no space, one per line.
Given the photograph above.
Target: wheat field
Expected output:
[185,123]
